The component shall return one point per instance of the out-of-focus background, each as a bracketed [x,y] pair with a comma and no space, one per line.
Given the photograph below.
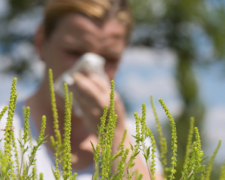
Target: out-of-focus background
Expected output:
[177,52]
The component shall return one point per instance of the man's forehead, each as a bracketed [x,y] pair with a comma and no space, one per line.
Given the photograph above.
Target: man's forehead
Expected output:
[81,25]
[83,33]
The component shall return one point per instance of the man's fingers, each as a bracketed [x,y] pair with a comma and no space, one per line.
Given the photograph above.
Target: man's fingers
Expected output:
[84,85]
[87,104]
[100,82]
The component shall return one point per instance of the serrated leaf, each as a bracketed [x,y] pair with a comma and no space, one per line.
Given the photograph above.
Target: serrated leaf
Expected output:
[25,150]
[148,151]
[132,148]
[93,148]
[204,159]
[21,145]
[136,154]
[145,157]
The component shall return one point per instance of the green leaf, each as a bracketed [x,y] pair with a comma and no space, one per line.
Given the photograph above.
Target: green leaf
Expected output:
[131,146]
[93,148]
[148,151]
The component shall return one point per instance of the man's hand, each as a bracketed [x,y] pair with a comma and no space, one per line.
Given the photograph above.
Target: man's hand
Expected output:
[92,93]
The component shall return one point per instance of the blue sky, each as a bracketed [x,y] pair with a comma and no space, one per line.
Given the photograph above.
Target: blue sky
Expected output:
[212,84]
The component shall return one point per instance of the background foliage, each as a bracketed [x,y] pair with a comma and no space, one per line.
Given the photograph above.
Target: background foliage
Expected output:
[179,25]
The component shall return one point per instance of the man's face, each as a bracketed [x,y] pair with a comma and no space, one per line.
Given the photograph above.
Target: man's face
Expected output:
[76,35]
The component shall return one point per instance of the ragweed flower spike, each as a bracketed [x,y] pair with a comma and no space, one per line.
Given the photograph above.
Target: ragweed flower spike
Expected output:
[55,114]
[199,148]
[3,112]
[174,140]
[43,127]
[56,172]
[9,134]
[66,144]
[112,116]
[137,122]
[143,122]
[26,125]
[34,174]
[101,129]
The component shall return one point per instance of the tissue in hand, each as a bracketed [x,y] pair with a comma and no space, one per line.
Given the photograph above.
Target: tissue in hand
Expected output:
[89,63]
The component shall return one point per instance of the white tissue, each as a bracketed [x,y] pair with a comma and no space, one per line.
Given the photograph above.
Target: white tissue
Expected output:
[90,63]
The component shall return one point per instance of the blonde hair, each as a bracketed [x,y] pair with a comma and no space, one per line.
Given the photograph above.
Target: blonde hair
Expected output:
[101,10]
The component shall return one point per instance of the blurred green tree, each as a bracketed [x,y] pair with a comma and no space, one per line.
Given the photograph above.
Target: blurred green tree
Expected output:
[17,29]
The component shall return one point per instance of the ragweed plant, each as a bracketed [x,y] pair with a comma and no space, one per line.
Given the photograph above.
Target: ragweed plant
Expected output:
[19,169]
[193,169]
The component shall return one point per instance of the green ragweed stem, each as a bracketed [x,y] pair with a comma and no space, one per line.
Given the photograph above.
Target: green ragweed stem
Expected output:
[97,161]
[162,140]
[35,148]
[174,140]
[3,112]
[16,154]
[41,176]
[209,168]
[34,174]
[121,145]
[222,174]
[153,154]
[188,147]
[101,143]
